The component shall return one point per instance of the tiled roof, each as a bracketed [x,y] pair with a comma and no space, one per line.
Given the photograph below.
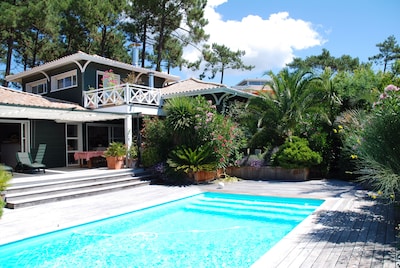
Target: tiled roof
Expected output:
[190,85]
[193,87]
[20,105]
[16,97]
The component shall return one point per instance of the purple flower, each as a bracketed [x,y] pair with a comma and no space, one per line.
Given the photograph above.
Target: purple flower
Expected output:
[256,163]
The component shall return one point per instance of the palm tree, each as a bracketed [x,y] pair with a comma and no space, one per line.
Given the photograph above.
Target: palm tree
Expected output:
[181,112]
[330,96]
[280,110]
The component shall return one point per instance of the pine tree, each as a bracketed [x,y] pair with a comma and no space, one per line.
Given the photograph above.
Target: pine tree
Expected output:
[389,51]
[220,58]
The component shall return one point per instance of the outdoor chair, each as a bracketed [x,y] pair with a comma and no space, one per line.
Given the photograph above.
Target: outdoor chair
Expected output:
[40,154]
[24,161]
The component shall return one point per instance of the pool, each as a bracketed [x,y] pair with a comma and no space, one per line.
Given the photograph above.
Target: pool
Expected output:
[204,230]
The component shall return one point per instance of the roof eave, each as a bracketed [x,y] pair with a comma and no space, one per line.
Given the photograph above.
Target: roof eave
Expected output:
[83,56]
[209,91]
[56,114]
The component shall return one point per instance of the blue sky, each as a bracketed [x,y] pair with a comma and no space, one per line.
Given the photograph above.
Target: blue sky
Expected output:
[272,32]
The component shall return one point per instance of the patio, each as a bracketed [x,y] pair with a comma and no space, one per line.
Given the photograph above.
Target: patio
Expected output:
[349,230]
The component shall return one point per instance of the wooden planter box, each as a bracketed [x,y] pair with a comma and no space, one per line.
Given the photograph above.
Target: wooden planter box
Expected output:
[268,173]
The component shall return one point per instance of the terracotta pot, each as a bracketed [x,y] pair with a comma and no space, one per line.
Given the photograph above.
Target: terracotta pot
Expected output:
[204,176]
[114,162]
[220,173]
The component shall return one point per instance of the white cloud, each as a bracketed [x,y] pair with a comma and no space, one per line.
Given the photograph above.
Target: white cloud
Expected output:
[269,43]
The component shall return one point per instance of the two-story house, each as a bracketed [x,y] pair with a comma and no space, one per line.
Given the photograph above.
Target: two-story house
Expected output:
[82,102]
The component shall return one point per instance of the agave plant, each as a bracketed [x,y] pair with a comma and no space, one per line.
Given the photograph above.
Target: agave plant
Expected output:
[191,160]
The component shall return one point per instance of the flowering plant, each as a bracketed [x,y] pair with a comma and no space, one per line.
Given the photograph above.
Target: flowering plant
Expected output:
[251,161]
[219,132]
[389,100]
[110,79]
[193,127]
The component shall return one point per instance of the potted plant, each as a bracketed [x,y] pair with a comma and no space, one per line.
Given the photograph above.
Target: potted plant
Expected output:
[199,164]
[115,155]
[133,153]
[5,177]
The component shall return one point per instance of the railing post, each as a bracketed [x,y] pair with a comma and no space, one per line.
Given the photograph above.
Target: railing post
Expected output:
[127,95]
[158,99]
[96,98]
[85,99]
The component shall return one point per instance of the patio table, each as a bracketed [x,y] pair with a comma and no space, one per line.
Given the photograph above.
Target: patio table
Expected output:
[87,155]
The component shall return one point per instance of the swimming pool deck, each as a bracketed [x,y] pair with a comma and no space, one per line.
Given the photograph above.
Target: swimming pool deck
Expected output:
[349,229]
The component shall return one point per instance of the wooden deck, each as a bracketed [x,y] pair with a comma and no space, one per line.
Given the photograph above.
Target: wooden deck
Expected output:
[349,229]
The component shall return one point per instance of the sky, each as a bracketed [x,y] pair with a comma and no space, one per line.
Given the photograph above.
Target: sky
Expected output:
[273,32]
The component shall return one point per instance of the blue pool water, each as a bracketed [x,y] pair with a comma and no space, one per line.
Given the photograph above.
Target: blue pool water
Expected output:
[205,230]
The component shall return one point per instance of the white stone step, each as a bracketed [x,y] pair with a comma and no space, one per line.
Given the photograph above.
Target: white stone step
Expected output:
[40,191]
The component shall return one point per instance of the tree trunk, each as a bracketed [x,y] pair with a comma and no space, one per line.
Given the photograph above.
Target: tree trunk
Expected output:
[35,49]
[222,73]
[10,45]
[103,40]
[144,43]
[161,40]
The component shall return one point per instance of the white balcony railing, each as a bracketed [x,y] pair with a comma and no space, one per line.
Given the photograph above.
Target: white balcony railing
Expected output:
[121,94]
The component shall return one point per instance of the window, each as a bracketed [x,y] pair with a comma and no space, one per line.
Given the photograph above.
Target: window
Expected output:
[37,87]
[64,81]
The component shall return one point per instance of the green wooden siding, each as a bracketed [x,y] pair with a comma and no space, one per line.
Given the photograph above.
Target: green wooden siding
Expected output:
[52,134]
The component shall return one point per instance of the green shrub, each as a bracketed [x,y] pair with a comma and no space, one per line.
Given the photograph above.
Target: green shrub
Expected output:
[5,178]
[295,153]
[155,134]
[151,156]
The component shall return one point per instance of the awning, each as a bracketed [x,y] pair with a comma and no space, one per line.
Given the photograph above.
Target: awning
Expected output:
[56,114]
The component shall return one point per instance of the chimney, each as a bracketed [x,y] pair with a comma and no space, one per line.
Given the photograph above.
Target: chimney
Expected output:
[151,79]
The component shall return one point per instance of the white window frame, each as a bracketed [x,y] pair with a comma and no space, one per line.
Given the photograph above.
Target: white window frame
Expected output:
[101,73]
[78,138]
[25,128]
[30,87]
[63,76]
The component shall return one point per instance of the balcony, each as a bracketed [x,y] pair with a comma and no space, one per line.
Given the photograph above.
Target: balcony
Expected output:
[124,94]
